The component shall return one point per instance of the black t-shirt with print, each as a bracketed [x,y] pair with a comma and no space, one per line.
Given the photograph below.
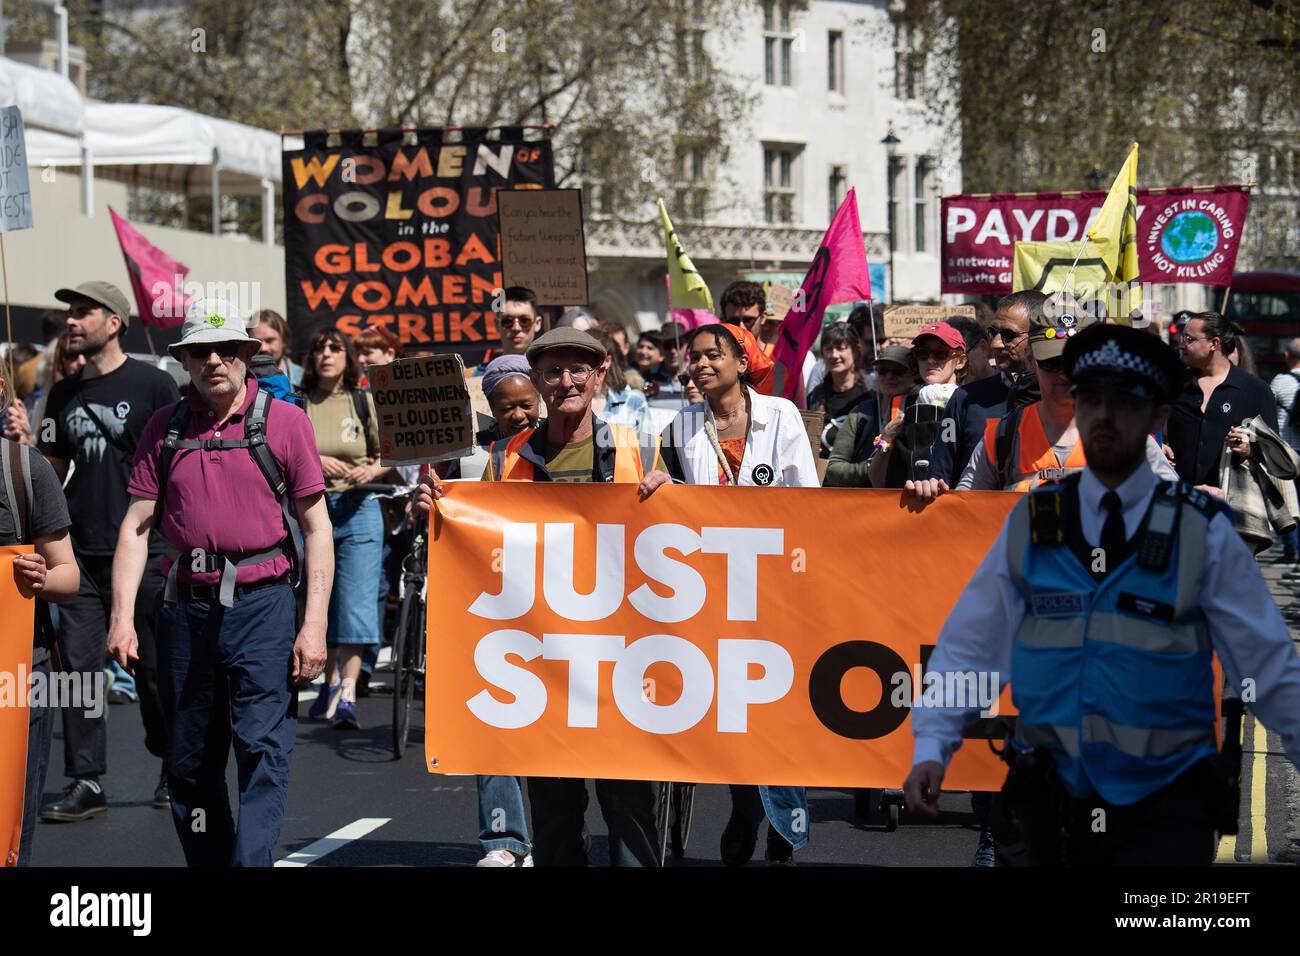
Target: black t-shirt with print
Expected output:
[123,400]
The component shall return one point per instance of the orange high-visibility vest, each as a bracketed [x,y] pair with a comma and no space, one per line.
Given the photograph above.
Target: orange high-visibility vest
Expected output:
[632,458]
[1032,460]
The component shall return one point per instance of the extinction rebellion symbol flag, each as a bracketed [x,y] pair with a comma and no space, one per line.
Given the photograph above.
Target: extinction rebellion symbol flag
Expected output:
[398,228]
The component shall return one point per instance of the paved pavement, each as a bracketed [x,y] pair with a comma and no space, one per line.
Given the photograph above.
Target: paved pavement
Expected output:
[351,804]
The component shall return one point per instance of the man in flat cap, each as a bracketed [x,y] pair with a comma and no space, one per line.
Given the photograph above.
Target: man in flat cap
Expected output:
[573,445]
[1102,601]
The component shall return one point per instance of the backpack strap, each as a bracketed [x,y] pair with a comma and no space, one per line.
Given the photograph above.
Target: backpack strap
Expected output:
[18,486]
[255,434]
[171,441]
[1008,428]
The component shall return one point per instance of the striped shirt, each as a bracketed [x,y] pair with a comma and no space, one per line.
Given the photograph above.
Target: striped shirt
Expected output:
[1284,388]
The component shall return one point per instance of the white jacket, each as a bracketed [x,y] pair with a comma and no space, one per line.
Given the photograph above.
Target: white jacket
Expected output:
[776,452]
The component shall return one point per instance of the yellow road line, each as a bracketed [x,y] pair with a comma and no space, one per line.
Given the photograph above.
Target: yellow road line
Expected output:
[1258,780]
[1228,844]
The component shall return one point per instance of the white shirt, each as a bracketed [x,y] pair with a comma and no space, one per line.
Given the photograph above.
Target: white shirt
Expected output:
[777,438]
[1246,627]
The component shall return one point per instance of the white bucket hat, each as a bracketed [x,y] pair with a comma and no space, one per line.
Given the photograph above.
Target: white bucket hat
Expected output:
[211,322]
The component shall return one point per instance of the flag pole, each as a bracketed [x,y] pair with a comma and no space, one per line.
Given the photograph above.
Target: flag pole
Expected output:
[875,357]
[9,326]
[1223,307]
[149,337]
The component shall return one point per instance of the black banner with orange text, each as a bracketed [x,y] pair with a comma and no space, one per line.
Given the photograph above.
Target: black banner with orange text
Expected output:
[398,228]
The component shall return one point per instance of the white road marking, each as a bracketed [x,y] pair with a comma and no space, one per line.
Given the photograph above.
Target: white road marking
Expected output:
[339,838]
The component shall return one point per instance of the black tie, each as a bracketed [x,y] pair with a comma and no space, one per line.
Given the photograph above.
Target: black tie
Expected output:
[1112,532]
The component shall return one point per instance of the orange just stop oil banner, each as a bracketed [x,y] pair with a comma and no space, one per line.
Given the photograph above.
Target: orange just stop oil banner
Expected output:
[708,635]
[16,613]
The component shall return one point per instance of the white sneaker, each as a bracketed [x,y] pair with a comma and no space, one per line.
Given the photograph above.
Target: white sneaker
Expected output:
[504,858]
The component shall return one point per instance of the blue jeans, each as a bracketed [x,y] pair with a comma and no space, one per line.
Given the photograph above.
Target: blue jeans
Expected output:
[786,809]
[358,553]
[224,677]
[501,821]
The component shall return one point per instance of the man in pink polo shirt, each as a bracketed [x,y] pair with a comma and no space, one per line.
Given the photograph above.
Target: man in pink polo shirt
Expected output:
[207,471]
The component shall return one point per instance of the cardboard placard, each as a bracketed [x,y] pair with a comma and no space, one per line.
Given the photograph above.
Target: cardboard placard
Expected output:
[543,246]
[904,321]
[813,421]
[780,299]
[15,191]
[424,409]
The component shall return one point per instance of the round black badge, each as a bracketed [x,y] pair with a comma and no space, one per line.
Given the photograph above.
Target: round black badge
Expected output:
[763,475]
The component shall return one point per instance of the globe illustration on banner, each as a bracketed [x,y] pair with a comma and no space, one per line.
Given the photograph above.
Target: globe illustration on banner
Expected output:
[1190,237]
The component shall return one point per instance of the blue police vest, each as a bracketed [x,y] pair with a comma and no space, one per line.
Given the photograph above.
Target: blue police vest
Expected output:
[1114,677]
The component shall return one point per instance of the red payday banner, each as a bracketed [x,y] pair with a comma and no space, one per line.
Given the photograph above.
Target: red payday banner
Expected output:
[1185,233]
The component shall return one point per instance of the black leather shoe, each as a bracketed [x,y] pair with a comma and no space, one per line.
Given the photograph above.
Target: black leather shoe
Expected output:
[738,841]
[162,795]
[779,853]
[80,801]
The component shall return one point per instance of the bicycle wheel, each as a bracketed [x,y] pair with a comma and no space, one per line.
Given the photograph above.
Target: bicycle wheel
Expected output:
[683,809]
[663,805]
[403,676]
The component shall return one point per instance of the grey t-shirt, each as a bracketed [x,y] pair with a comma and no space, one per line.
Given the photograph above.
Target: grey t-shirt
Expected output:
[49,515]
[49,507]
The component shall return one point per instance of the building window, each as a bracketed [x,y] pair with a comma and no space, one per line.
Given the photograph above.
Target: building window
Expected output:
[835,62]
[690,41]
[691,192]
[895,180]
[923,186]
[909,62]
[780,178]
[837,187]
[778,43]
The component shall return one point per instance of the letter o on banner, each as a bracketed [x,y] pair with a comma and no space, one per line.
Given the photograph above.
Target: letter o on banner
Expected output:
[829,706]
[356,207]
[697,684]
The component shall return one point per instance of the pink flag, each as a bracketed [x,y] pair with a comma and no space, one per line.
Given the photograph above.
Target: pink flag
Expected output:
[689,318]
[156,278]
[838,274]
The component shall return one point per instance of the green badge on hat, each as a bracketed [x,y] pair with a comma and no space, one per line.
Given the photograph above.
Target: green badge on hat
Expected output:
[215,320]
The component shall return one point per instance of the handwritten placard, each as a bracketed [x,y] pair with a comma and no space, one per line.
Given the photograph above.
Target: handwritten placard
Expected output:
[904,321]
[780,299]
[15,191]
[424,409]
[542,243]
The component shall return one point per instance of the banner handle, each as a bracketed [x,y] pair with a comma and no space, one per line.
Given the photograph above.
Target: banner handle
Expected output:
[9,327]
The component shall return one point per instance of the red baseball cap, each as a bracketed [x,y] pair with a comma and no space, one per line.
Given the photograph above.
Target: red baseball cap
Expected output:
[944,332]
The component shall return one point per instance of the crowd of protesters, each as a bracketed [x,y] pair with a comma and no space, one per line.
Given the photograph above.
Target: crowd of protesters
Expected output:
[965,404]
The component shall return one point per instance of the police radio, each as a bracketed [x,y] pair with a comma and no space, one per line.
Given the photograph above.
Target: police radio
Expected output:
[1157,544]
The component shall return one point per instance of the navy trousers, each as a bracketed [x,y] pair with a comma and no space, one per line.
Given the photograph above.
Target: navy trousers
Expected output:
[225,678]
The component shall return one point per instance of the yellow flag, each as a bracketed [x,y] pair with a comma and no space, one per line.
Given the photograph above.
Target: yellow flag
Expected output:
[1114,237]
[1051,267]
[1114,232]
[1045,267]
[687,288]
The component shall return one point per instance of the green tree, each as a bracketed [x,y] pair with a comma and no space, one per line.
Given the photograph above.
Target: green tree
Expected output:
[611,75]
[1041,93]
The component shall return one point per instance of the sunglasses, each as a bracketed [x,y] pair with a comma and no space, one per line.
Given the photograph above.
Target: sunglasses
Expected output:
[1008,334]
[938,356]
[1053,366]
[200,353]
[890,369]
[326,346]
[513,321]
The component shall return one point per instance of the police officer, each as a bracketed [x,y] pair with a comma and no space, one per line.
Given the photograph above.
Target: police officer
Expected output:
[228,475]
[1102,600]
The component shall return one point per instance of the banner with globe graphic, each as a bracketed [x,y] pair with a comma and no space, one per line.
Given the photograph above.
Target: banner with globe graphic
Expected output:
[1185,234]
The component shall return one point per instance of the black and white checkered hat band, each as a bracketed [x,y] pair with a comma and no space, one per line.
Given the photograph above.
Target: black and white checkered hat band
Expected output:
[1112,358]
